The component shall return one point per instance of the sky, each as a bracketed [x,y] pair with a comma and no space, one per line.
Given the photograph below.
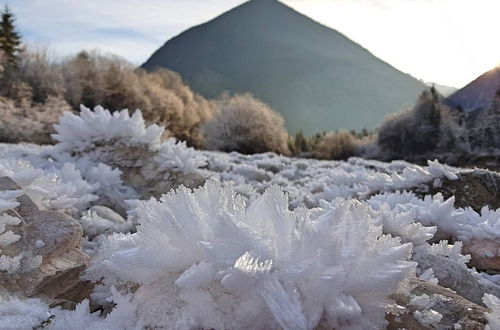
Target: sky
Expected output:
[449,42]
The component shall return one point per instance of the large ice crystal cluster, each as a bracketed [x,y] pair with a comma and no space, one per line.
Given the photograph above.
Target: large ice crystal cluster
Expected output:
[127,144]
[204,259]
[92,129]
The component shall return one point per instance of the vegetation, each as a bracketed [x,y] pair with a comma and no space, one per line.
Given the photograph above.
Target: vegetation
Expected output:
[94,79]
[245,124]
[10,39]
[414,131]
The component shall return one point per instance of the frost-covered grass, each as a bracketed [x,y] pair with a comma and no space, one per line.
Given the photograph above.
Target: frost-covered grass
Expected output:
[267,242]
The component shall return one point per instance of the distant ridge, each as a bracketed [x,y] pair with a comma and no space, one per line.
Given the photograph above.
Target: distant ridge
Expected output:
[318,79]
[479,93]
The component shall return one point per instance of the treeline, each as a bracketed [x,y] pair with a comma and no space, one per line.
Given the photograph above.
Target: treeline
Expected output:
[35,89]
[434,130]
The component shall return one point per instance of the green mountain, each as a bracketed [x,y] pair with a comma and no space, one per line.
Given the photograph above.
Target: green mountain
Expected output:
[318,79]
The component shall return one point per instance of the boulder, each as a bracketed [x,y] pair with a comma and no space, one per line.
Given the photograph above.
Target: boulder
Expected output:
[52,259]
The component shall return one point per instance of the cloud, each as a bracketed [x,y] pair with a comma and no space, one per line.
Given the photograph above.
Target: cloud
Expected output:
[130,28]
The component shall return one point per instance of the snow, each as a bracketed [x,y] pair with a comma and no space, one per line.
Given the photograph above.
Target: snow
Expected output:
[267,242]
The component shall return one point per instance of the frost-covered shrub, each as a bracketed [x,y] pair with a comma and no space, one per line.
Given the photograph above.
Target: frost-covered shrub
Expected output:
[337,145]
[246,125]
[412,132]
[30,123]
[95,79]
[204,259]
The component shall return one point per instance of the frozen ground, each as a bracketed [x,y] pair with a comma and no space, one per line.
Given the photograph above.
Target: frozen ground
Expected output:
[260,241]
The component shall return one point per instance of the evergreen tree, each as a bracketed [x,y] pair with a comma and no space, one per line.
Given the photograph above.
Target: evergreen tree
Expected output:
[10,39]
[301,144]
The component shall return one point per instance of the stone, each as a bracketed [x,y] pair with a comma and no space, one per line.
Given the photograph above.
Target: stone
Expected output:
[50,244]
[474,188]
[456,277]
[107,213]
[457,312]
[484,254]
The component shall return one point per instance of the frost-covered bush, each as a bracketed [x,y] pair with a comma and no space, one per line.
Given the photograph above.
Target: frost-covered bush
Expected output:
[412,132]
[95,79]
[30,123]
[204,259]
[338,146]
[246,125]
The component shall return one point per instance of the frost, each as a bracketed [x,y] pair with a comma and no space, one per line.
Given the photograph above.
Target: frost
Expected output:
[90,129]
[176,156]
[53,188]
[451,251]
[462,223]
[493,316]
[122,317]
[255,264]
[424,314]
[17,313]
[268,242]
[94,225]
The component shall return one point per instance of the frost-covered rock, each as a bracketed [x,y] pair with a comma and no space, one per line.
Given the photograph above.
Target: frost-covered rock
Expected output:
[430,306]
[41,252]
[22,313]
[204,259]
[54,188]
[475,188]
[133,151]
[493,315]
[91,130]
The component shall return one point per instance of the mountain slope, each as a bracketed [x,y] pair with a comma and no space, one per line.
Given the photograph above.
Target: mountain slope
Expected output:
[442,89]
[478,93]
[313,75]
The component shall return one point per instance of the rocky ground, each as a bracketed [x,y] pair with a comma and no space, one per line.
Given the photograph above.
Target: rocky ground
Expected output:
[88,241]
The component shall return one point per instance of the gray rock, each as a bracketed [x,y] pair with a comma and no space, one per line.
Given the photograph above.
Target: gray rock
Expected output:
[107,213]
[50,245]
[456,277]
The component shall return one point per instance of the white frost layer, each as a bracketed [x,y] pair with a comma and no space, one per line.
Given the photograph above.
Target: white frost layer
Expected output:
[214,262]
[78,133]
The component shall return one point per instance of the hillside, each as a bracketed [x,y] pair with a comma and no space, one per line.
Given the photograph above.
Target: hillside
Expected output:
[314,76]
[478,93]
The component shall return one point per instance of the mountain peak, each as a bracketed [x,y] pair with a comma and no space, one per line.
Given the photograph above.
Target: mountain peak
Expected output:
[479,93]
[317,78]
